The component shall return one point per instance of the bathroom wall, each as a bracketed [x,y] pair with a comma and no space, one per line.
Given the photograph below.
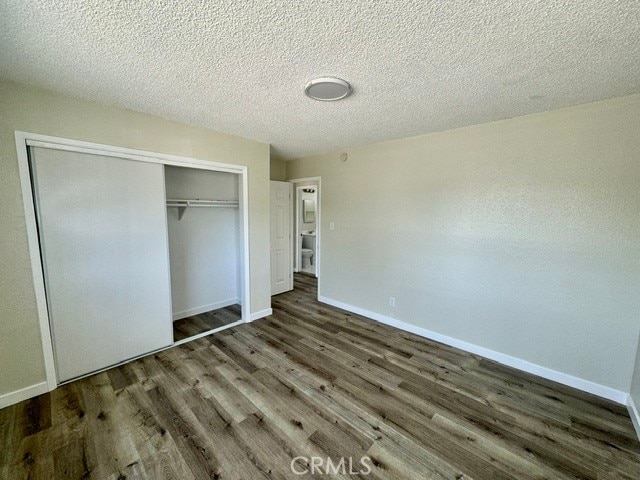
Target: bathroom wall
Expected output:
[520,236]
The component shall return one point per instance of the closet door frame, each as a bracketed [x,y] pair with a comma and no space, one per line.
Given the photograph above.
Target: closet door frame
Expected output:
[24,140]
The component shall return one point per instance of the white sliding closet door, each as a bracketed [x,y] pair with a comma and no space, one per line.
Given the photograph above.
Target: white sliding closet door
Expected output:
[103,236]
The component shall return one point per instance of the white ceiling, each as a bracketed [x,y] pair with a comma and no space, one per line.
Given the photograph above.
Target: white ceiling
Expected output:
[240,66]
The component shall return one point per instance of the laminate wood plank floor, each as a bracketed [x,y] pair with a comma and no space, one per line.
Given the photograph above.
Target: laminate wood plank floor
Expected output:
[203,322]
[313,380]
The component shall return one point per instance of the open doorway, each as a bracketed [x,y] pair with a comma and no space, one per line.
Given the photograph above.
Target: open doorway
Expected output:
[306,226]
[306,229]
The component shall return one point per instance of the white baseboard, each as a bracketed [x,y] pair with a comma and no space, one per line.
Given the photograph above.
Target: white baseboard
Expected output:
[261,314]
[634,414]
[544,372]
[12,398]
[205,308]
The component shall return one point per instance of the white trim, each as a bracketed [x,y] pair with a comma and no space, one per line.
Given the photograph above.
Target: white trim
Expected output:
[304,179]
[298,243]
[297,263]
[245,283]
[293,214]
[290,232]
[634,414]
[544,372]
[25,139]
[71,145]
[318,226]
[17,396]
[166,222]
[205,308]
[261,314]
[34,254]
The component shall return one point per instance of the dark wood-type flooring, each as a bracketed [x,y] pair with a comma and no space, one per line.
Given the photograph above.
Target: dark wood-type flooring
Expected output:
[312,380]
[203,322]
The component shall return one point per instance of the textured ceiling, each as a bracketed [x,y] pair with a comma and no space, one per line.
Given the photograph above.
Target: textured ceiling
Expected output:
[240,66]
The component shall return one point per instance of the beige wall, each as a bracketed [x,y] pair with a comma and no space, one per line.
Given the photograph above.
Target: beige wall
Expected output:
[278,170]
[39,111]
[521,236]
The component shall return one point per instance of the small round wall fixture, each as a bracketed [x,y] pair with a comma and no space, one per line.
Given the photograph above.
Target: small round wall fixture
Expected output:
[327,89]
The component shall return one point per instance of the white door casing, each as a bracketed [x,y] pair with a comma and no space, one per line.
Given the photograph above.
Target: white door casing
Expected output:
[281,268]
[297,244]
[318,256]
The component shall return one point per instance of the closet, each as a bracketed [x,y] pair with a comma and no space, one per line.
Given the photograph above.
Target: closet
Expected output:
[203,225]
[132,252]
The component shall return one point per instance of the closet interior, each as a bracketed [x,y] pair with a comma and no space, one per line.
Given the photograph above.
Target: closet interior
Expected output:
[203,222]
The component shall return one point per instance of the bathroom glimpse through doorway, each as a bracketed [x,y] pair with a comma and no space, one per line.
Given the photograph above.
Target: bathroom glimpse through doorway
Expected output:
[306,226]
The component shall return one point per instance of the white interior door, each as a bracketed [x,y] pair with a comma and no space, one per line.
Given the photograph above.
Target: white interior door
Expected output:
[103,236]
[281,269]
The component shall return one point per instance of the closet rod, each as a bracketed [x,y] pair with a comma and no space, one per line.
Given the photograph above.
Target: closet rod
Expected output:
[183,204]
[202,203]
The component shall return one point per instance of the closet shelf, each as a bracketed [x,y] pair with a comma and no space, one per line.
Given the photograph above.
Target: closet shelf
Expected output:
[182,204]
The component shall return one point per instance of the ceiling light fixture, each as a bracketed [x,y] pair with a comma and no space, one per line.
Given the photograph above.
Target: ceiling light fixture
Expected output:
[327,89]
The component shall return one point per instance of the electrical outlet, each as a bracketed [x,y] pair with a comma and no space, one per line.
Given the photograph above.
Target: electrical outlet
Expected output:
[332,226]
[392,301]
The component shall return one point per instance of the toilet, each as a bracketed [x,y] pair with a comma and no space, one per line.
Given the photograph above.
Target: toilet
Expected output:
[307,257]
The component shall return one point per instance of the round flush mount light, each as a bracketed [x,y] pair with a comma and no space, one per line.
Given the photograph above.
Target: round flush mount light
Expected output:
[327,89]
